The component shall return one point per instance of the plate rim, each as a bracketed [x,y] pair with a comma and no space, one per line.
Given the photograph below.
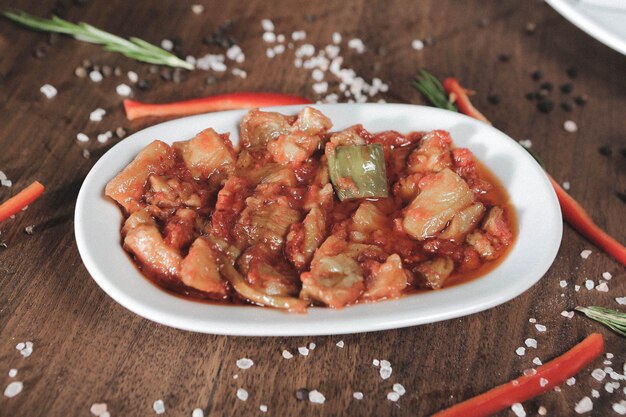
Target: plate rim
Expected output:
[273,329]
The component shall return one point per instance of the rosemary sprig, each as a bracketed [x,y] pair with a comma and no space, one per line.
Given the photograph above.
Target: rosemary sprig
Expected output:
[134,48]
[613,319]
[432,90]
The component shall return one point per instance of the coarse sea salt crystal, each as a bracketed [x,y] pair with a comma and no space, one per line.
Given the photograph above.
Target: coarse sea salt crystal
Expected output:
[242,394]
[312,346]
[607,275]
[357,395]
[576,288]
[267,25]
[532,320]
[584,405]
[287,354]
[298,35]
[12,373]
[123,90]
[399,388]
[336,38]
[526,143]
[595,393]
[585,254]
[320,88]
[48,90]
[3,176]
[244,363]
[13,389]
[317,75]
[97,114]
[385,372]
[393,396]
[568,314]
[530,342]
[158,406]
[303,350]
[239,73]
[81,137]
[570,381]
[621,300]
[375,362]
[197,9]
[537,361]
[340,344]
[620,408]
[197,412]
[263,408]
[602,287]
[417,44]
[570,126]
[540,327]
[269,37]
[542,411]
[566,185]
[598,374]
[95,76]
[316,397]
[518,409]
[543,382]
[521,351]
[97,409]
[589,284]
[563,283]
[357,45]
[233,52]
[167,44]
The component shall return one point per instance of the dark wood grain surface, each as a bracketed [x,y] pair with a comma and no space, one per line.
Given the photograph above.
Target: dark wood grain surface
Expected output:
[88,349]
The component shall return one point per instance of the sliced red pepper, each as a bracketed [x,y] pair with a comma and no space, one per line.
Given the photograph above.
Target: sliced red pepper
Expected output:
[22,199]
[459,96]
[231,101]
[580,220]
[525,387]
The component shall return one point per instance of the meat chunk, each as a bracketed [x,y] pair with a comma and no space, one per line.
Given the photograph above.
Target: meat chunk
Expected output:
[147,244]
[304,238]
[168,192]
[368,218]
[127,188]
[442,196]
[200,269]
[335,279]
[179,229]
[206,153]
[494,237]
[463,222]
[433,153]
[386,280]
[436,271]
[230,202]
[293,148]
[312,122]
[258,128]
[354,135]
[268,272]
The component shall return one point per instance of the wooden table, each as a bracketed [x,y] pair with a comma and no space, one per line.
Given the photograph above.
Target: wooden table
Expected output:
[88,349]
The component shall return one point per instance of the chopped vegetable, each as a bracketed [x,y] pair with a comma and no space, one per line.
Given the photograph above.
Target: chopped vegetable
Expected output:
[613,319]
[231,101]
[526,387]
[580,220]
[573,213]
[459,96]
[357,171]
[21,200]
[134,48]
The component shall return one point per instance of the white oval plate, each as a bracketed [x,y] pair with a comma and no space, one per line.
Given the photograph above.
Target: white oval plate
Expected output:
[98,221]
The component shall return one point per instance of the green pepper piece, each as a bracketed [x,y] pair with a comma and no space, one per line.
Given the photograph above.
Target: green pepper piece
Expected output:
[358,171]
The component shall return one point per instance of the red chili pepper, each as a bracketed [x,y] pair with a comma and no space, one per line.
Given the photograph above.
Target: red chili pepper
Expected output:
[231,101]
[525,387]
[580,220]
[22,199]
[459,96]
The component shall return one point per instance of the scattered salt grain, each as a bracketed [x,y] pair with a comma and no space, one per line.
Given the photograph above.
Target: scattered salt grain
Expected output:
[537,361]
[357,45]
[298,35]
[197,9]
[320,88]
[280,38]
[527,372]
[269,52]
[336,37]
[197,413]
[13,389]
[340,344]
[393,396]
[234,52]
[598,374]
[81,137]
[279,49]
[595,393]
[244,363]
[358,395]
[317,75]
[568,314]
[132,76]
[542,411]
[95,76]
[607,276]
[530,342]
[620,408]
[557,389]
[263,408]
[417,44]
[3,176]
[570,126]
[235,376]
[526,143]
[399,389]
[385,372]
[6,183]
[621,300]
[97,409]
[48,90]
[104,137]
[571,381]
[312,346]
[521,351]
[158,407]
[584,405]
[316,397]
[287,354]
[385,363]
[376,362]
[123,90]
[26,349]
[540,327]
[12,373]
[242,394]
[267,25]
[589,284]
[609,355]
[97,115]
[585,254]
[167,44]
[532,320]
[602,287]
[518,409]
[303,350]
[563,283]
[566,185]
[543,382]
[576,288]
